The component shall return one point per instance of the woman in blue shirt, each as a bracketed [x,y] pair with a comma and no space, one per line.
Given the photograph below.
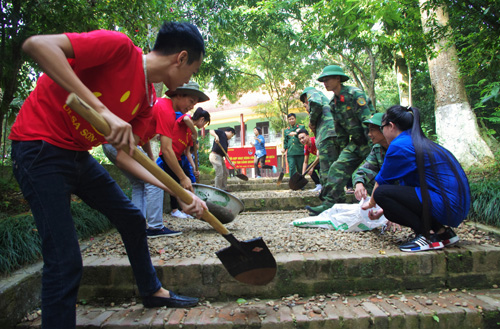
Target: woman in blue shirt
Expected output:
[433,192]
[260,152]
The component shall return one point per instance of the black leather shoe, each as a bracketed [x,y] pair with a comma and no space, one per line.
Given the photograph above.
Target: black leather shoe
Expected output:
[175,301]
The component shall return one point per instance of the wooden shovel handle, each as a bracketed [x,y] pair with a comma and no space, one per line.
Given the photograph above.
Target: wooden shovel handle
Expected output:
[96,120]
[311,165]
[227,156]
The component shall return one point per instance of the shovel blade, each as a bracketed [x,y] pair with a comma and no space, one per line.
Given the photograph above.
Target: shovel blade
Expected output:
[242,177]
[280,179]
[297,181]
[251,262]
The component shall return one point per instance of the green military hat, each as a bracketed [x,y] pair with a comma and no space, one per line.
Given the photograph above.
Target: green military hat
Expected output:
[376,119]
[331,70]
[190,88]
[304,93]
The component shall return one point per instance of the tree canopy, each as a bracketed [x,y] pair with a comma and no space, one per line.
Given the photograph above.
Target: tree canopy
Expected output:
[280,47]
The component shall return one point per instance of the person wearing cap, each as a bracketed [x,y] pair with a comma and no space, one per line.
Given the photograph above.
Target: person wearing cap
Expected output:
[182,99]
[364,178]
[321,123]
[293,149]
[350,108]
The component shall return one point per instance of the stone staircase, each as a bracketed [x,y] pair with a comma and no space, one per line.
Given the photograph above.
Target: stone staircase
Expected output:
[452,288]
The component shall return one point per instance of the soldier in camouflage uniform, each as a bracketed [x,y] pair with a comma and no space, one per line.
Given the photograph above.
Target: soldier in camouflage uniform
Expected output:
[322,125]
[292,146]
[350,108]
[364,177]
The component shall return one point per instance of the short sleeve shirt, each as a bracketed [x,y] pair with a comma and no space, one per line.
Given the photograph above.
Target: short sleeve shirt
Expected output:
[182,136]
[311,149]
[109,64]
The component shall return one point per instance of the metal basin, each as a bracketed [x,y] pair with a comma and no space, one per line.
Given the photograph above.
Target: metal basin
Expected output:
[221,204]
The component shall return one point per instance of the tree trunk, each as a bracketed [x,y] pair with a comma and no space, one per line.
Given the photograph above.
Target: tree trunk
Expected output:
[403,79]
[456,124]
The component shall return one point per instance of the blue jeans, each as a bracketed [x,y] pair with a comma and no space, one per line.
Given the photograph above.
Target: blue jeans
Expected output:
[186,166]
[147,197]
[48,175]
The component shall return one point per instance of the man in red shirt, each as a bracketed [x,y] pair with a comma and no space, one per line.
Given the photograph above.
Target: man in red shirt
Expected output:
[50,146]
[309,148]
[172,145]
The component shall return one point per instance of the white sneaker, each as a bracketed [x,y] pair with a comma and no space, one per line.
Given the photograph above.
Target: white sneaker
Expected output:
[178,214]
[317,188]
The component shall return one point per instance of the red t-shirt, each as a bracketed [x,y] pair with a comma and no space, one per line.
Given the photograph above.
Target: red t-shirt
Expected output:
[110,65]
[308,150]
[165,122]
[182,136]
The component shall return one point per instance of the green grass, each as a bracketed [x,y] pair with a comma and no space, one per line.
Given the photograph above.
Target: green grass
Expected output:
[485,195]
[20,242]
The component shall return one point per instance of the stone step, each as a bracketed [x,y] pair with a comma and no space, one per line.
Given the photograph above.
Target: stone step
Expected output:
[108,279]
[472,267]
[445,309]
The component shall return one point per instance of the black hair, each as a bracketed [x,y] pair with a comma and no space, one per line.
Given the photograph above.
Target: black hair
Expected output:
[259,129]
[175,37]
[406,118]
[303,131]
[201,113]
[291,115]
[231,130]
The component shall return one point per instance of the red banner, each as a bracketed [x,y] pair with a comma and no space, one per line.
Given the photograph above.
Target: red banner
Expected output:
[242,157]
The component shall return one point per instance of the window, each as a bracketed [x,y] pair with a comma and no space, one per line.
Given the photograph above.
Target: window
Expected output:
[265,129]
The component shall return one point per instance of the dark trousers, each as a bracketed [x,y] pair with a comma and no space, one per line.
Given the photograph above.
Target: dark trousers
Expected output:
[263,165]
[174,204]
[402,206]
[48,175]
[314,175]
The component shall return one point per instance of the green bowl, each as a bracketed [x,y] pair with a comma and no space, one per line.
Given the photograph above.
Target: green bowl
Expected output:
[221,204]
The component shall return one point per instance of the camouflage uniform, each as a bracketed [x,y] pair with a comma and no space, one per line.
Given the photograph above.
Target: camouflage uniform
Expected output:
[369,169]
[327,141]
[295,150]
[350,108]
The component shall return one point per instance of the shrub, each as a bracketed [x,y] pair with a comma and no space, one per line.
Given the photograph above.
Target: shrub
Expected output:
[20,243]
[485,194]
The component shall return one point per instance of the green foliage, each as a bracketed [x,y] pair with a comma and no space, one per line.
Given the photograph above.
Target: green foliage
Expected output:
[99,155]
[20,243]
[204,149]
[485,194]
[11,200]
[473,29]
[138,19]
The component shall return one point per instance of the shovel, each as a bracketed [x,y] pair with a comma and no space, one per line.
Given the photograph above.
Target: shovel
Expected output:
[239,175]
[249,262]
[280,178]
[298,181]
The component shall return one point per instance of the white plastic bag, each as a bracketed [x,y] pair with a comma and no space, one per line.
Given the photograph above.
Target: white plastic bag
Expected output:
[346,217]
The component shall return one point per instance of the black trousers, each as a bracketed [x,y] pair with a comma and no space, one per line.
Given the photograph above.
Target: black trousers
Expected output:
[174,204]
[402,206]
[263,165]
[314,175]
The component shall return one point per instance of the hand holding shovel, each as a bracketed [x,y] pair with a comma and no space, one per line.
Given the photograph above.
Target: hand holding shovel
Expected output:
[249,262]
[298,181]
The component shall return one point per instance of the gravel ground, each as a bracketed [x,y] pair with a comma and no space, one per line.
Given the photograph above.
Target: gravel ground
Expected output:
[199,239]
